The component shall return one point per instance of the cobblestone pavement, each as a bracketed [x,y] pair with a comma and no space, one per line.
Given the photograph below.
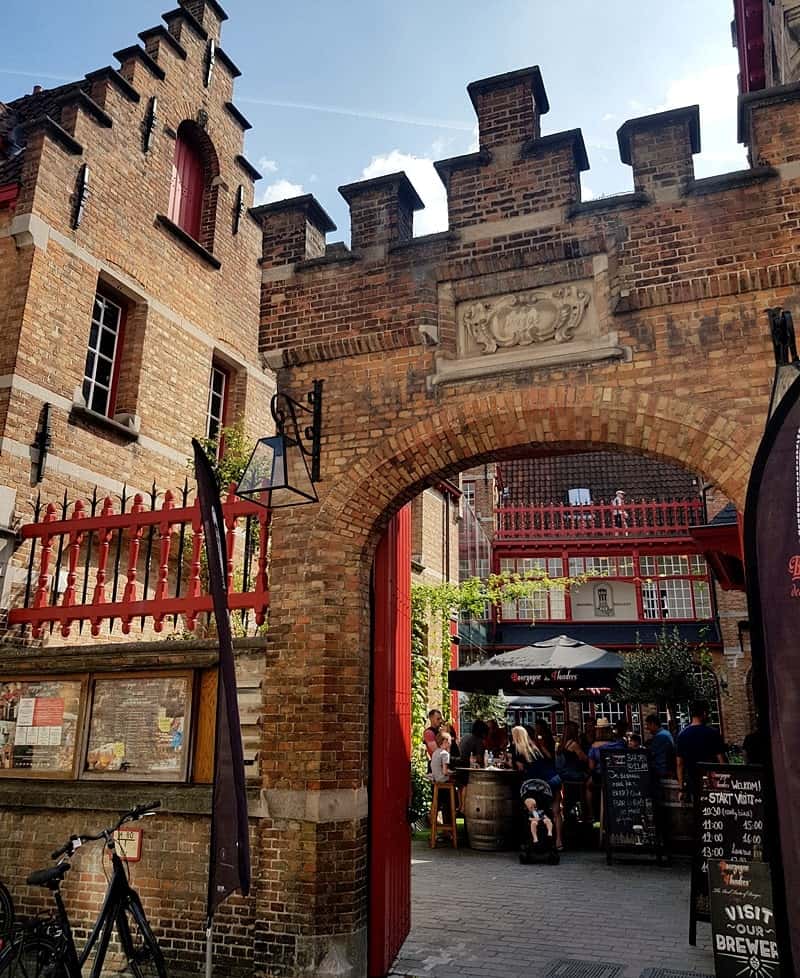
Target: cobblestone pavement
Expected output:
[483,915]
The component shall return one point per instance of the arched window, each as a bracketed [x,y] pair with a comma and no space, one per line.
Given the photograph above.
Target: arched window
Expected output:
[192,196]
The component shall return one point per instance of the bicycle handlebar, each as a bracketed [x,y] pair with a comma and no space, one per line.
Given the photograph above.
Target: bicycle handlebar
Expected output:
[75,841]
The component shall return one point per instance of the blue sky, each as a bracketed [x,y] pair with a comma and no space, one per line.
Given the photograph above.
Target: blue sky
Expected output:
[340,89]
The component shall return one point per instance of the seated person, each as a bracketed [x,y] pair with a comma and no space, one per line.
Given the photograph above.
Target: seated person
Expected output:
[533,801]
[440,762]
[574,766]
[634,741]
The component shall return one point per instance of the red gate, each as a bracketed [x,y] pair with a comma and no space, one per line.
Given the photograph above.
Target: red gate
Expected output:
[390,782]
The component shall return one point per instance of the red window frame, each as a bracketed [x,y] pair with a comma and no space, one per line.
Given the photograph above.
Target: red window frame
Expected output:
[187,187]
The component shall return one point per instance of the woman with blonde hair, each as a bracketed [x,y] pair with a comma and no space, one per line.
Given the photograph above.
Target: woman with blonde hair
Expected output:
[526,757]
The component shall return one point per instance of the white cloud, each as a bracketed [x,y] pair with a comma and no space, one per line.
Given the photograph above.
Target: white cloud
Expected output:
[715,89]
[420,171]
[267,166]
[279,190]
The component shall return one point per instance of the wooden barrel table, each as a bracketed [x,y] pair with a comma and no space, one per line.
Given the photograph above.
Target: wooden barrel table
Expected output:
[490,807]
[677,819]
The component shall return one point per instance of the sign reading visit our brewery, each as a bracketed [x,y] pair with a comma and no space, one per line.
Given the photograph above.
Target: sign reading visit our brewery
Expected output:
[629,811]
[742,920]
[729,825]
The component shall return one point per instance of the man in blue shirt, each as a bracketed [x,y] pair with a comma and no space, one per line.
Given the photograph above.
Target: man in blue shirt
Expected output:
[698,743]
[661,747]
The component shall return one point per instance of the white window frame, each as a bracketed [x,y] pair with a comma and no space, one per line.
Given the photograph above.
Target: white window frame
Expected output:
[92,388]
[219,393]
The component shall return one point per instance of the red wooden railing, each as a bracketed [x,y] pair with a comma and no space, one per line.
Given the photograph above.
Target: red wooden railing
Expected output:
[97,550]
[597,520]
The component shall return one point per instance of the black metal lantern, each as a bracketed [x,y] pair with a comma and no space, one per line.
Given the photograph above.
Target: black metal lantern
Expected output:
[284,467]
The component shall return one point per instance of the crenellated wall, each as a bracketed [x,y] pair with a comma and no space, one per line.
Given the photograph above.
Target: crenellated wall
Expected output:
[537,323]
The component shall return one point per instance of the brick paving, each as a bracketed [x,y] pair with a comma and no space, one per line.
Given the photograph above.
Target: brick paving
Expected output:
[482,914]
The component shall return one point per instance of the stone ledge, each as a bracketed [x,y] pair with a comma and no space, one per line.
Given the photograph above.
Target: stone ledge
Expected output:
[474,368]
[186,239]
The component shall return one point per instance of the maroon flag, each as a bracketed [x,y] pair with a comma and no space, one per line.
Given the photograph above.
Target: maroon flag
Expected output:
[772,554]
[229,865]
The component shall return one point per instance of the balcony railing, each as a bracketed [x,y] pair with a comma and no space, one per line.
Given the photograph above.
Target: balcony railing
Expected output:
[554,521]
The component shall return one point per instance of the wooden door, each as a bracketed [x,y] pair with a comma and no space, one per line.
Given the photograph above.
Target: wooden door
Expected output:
[390,735]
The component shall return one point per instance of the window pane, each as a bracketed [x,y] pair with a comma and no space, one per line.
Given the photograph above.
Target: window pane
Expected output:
[555,567]
[111,315]
[673,564]
[98,400]
[650,600]
[625,566]
[647,566]
[702,599]
[698,564]
[576,566]
[508,565]
[558,606]
[676,598]
[103,372]
[108,340]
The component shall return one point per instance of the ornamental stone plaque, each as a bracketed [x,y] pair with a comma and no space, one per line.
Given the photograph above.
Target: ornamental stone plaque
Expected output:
[525,318]
[547,325]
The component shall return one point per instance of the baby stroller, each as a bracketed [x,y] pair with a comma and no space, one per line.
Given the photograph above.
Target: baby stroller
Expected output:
[540,840]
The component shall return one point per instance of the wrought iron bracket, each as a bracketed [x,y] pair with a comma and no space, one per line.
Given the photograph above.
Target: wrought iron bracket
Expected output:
[286,409]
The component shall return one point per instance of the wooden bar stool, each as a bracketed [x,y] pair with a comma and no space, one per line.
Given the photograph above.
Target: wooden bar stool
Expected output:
[448,788]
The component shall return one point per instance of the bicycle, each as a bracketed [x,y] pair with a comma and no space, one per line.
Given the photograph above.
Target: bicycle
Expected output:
[46,948]
[6,916]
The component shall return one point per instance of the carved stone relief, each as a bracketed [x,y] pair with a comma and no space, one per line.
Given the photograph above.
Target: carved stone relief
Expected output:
[515,324]
[523,319]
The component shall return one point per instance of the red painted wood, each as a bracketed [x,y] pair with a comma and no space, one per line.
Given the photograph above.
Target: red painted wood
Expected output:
[390,783]
[72,533]
[186,188]
[557,521]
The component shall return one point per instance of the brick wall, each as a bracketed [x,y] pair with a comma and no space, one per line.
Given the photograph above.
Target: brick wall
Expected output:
[681,270]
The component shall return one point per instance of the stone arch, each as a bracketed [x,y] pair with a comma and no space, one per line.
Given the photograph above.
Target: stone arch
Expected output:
[321,566]
[489,426]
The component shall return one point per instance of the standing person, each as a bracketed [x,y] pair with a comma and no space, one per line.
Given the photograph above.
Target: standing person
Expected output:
[589,735]
[698,743]
[475,744]
[544,739]
[455,750]
[661,747]
[496,738]
[528,758]
[575,769]
[621,516]
[435,719]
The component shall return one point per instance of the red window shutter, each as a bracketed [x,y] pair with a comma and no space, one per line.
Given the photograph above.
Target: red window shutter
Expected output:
[186,190]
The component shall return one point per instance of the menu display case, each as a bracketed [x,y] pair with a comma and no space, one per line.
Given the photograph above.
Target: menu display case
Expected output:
[40,726]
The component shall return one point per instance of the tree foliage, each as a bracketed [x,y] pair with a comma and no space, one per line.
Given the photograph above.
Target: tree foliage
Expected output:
[667,674]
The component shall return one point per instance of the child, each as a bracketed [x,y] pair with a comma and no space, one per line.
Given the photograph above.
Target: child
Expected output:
[440,760]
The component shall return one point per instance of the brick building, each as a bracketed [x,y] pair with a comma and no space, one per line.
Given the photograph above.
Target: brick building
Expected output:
[130,293]
[536,324]
[645,570]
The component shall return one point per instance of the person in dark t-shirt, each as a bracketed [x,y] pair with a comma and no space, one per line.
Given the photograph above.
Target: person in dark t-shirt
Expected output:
[697,744]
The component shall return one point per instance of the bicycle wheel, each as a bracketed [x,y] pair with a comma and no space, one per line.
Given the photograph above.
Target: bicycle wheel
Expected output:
[139,945]
[28,956]
[6,915]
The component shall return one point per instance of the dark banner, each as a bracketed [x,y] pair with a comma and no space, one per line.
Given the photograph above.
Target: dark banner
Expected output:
[229,866]
[772,557]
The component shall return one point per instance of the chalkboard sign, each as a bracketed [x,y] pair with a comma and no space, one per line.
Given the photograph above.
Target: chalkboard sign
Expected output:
[729,825]
[742,920]
[628,810]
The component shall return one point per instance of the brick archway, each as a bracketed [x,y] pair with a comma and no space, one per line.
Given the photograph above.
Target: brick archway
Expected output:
[320,626]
